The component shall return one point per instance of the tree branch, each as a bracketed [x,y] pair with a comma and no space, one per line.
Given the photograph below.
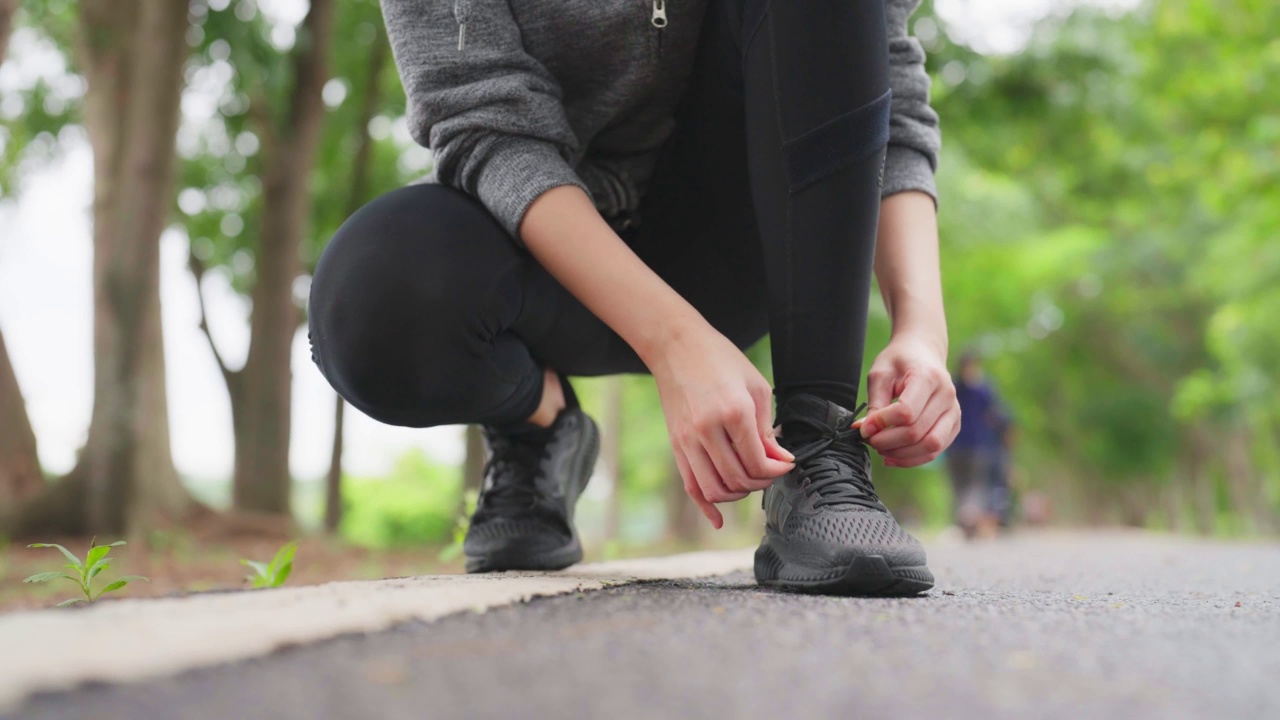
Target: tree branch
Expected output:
[7,10]
[197,270]
[260,116]
[364,148]
[309,63]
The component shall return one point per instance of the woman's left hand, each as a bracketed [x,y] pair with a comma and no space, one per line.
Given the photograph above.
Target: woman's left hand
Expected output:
[925,418]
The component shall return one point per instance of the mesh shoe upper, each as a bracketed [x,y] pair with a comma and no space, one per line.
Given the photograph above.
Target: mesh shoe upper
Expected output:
[826,510]
[523,499]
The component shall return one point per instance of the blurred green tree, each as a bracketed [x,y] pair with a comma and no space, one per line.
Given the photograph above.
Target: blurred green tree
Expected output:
[124,480]
[272,107]
[1108,219]
[300,136]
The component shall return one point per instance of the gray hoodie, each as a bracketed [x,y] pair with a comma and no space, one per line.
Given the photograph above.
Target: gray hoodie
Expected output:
[515,97]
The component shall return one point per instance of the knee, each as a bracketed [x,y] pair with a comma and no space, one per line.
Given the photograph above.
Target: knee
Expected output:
[397,295]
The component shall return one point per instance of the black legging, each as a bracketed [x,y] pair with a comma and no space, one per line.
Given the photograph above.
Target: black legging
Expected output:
[762,213]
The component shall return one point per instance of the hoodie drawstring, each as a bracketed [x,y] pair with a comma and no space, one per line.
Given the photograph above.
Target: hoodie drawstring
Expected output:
[461,11]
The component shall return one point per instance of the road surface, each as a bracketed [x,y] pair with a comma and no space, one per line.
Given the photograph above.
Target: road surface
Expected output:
[1114,625]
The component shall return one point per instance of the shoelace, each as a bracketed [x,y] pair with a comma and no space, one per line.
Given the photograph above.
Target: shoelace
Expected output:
[838,477]
[511,466]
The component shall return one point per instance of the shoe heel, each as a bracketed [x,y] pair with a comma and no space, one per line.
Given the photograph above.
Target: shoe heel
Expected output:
[767,565]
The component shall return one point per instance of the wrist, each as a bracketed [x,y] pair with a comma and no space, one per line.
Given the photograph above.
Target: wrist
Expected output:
[933,339]
[674,328]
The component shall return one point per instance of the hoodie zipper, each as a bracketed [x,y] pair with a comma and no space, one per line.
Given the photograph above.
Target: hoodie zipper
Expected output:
[659,20]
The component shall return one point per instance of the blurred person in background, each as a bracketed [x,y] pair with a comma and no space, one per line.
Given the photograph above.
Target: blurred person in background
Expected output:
[977,462]
[653,186]
[1000,484]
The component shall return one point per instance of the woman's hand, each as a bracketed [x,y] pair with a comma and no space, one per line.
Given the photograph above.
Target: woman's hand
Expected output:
[717,405]
[925,418]
[718,409]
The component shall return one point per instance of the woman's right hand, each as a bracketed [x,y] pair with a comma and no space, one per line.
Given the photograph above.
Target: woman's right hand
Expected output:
[718,409]
[717,404]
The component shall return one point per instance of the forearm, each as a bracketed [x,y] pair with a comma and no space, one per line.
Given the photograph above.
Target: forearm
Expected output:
[566,234]
[907,268]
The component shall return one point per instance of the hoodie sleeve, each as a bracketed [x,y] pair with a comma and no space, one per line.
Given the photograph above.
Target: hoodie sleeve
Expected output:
[491,114]
[914,138]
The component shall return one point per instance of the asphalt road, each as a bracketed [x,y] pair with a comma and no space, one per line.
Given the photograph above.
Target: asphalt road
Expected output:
[1049,626]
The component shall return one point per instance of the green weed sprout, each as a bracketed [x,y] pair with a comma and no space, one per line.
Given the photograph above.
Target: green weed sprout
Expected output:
[453,550]
[274,573]
[94,564]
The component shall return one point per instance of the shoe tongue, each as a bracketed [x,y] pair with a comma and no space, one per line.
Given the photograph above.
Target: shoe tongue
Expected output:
[826,412]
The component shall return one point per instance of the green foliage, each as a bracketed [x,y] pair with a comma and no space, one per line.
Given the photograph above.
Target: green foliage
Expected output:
[242,62]
[416,504]
[1110,200]
[275,573]
[37,118]
[1108,221]
[94,564]
[453,550]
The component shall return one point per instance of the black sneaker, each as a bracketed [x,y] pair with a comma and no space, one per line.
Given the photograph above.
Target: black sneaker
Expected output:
[524,520]
[826,531]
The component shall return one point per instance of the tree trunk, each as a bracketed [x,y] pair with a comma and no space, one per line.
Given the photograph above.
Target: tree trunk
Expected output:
[262,393]
[7,9]
[333,483]
[473,465]
[20,476]
[1204,487]
[358,197]
[132,54]
[611,454]
[1248,502]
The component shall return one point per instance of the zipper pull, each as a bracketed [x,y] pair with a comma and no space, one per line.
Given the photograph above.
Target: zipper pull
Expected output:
[659,18]
[462,13]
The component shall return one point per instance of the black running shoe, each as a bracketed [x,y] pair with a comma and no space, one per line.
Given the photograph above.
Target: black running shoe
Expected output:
[826,531]
[524,520]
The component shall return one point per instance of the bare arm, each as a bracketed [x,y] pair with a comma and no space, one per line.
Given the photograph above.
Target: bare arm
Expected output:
[566,234]
[717,405]
[908,268]
[912,369]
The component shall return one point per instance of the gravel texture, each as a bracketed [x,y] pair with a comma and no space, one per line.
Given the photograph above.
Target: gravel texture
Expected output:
[1115,625]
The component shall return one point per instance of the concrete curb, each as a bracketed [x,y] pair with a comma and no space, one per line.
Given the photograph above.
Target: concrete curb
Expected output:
[131,640]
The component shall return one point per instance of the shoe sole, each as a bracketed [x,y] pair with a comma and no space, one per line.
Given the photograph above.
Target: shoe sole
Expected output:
[866,576]
[556,558]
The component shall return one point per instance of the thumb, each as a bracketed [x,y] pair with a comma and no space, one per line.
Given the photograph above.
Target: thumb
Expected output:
[764,421]
[879,396]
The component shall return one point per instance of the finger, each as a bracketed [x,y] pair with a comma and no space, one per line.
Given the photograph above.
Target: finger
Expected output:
[726,461]
[916,392]
[904,436]
[879,388]
[759,479]
[749,447]
[693,491]
[764,429]
[938,438]
[704,471]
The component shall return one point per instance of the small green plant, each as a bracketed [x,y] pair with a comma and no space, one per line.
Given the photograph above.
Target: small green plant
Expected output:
[95,563]
[274,573]
[453,550]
